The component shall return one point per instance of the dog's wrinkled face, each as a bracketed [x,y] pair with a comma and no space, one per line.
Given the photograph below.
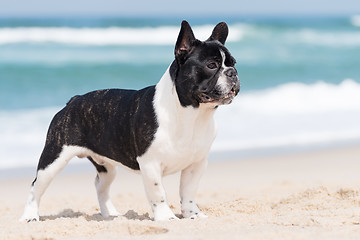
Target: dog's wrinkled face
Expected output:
[205,71]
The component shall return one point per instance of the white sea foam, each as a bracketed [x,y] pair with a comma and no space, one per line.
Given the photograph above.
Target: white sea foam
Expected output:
[309,36]
[355,20]
[23,135]
[164,35]
[301,99]
[323,38]
[292,114]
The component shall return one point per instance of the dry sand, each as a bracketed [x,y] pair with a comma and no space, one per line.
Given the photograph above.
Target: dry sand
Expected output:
[302,196]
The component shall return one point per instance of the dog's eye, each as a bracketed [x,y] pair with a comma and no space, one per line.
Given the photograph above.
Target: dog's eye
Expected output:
[212,65]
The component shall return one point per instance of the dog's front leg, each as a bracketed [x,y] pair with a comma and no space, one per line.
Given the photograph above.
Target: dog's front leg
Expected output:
[190,178]
[152,177]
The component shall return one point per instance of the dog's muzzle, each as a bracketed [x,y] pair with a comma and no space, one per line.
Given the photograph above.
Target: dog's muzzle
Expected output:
[220,97]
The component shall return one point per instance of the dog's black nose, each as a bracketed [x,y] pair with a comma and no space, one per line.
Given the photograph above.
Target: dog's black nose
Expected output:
[231,73]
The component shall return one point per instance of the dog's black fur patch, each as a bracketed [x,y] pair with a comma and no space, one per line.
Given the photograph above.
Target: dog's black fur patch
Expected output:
[115,123]
[98,167]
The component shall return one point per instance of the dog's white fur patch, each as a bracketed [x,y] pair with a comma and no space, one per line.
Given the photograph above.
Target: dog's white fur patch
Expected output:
[222,82]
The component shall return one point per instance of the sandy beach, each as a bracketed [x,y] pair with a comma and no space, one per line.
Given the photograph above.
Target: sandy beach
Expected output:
[310,195]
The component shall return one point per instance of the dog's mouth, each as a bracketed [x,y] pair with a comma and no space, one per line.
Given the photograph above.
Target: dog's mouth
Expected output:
[217,97]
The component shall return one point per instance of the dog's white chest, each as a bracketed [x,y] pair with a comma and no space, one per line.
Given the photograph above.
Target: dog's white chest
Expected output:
[177,148]
[184,135]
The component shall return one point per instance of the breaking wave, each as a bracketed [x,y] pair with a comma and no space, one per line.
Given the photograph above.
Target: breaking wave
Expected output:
[163,35]
[291,114]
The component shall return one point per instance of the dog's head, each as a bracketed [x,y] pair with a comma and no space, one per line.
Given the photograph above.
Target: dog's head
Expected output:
[204,72]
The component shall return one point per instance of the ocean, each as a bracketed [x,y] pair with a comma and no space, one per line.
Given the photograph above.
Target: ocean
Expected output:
[300,77]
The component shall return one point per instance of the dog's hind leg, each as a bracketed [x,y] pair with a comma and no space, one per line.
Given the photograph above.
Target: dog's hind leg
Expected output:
[52,161]
[105,176]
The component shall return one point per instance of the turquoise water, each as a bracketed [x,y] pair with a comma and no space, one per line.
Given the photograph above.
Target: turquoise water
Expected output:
[43,62]
[300,77]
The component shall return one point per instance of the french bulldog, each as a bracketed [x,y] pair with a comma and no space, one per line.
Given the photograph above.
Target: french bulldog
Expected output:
[155,131]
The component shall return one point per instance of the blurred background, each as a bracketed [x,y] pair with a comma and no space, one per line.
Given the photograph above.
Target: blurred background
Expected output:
[298,64]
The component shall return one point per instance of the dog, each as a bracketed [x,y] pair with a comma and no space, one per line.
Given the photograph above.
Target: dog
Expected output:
[156,131]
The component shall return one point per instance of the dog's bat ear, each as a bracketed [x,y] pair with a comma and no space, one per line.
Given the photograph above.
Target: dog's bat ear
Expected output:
[220,32]
[185,42]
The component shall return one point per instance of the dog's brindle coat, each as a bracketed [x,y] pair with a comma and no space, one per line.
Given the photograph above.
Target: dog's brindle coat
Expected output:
[158,130]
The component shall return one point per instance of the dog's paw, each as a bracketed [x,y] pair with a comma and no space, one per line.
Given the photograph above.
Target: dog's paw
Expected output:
[30,214]
[25,218]
[111,215]
[115,214]
[163,212]
[108,209]
[189,209]
[110,212]
[193,214]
